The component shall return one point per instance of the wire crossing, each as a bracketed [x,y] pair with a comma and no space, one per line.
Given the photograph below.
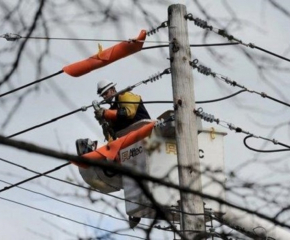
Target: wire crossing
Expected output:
[29,84]
[203,24]
[210,118]
[207,71]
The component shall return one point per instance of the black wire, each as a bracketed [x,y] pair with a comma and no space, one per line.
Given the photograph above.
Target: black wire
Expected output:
[47,122]
[60,180]
[277,100]
[198,102]
[29,84]
[203,24]
[74,205]
[34,177]
[69,219]
[271,53]
[193,45]
[263,151]
[220,99]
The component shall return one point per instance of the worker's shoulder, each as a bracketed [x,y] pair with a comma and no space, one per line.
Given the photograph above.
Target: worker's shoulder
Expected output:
[128,95]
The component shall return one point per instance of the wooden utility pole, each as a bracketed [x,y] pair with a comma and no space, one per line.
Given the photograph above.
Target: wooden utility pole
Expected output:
[185,121]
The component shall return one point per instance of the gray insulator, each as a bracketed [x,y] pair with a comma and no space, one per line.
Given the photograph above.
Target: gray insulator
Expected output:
[155,77]
[207,117]
[204,70]
[200,23]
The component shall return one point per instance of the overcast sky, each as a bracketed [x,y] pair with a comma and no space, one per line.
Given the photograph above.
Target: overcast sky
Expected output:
[262,25]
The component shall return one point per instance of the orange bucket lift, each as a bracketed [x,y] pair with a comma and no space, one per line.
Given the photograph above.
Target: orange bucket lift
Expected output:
[152,150]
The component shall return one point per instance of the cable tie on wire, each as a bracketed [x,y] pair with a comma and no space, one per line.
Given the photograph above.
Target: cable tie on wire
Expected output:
[275,141]
[11,36]
[155,30]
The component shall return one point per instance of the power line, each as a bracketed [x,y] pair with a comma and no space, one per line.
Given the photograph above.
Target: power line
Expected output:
[265,151]
[89,188]
[126,171]
[84,108]
[61,71]
[194,45]
[34,177]
[73,184]
[151,79]
[14,37]
[207,71]
[197,102]
[72,204]
[69,219]
[203,24]
[210,118]
[31,83]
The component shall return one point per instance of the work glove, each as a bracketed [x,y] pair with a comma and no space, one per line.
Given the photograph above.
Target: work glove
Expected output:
[99,114]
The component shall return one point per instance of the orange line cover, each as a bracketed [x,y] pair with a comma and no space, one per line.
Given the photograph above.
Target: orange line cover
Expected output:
[105,57]
[111,150]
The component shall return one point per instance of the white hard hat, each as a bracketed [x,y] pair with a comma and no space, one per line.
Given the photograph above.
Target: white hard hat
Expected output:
[104,85]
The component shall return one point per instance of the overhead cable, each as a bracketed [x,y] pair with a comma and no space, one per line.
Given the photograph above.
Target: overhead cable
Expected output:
[153,78]
[74,205]
[84,108]
[203,24]
[210,118]
[69,219]
[15,37]
[128,172]
[95,190]
[31,83]
[208,72]
[197,102]
[34,177]
[194,45]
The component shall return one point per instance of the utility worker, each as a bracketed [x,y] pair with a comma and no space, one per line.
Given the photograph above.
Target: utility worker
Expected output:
[121,113]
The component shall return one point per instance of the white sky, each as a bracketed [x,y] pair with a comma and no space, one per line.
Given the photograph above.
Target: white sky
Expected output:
[264,27]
